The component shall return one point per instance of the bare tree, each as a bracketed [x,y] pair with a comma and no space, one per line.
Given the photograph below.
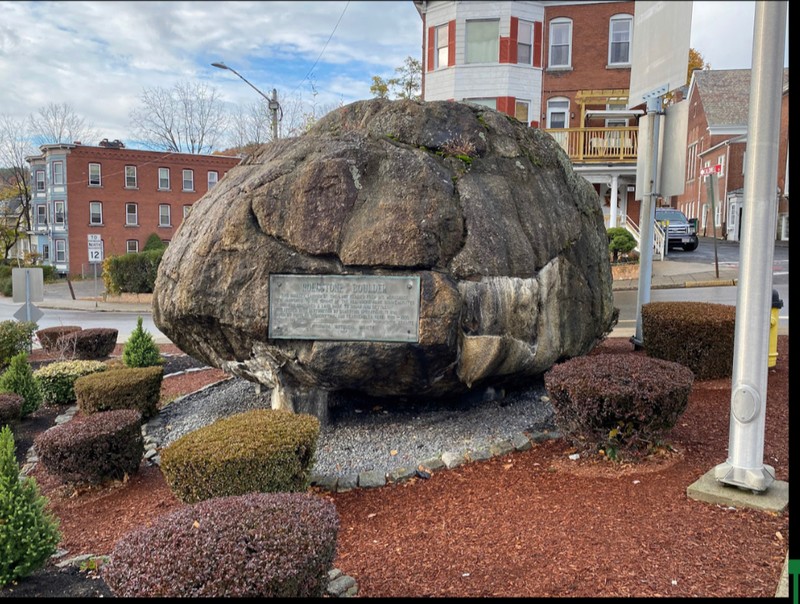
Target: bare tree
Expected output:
[405,85]
[187,118]
[15,146]
[58,123]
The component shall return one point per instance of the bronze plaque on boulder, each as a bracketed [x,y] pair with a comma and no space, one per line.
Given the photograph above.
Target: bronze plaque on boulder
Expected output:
[344,307]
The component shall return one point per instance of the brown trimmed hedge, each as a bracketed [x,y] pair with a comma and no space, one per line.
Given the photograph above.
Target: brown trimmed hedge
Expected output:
[48,337]
[88,344]
[617,402]
[10,407]
[124,388]
[262,450]
[263,545]
[699,335]
[93,449]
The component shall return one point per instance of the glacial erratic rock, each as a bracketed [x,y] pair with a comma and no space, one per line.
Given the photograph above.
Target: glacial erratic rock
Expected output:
[508,243]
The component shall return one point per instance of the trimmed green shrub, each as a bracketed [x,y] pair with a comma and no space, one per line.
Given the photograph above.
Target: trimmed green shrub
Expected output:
[6,287]
[10,407]
[134,273]
[29,534]
[57,380]
[140,350]
[255,545]
[93,449]
[126,388]
[19,378]
[699,335]
[262,450]
[15,337]
[49,335]
[620,241]
[617,402]
[88,344]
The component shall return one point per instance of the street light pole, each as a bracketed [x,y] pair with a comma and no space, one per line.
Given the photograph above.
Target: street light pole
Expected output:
[272,103]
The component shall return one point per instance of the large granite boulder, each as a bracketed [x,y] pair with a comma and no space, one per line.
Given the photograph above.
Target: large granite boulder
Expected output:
[508,244]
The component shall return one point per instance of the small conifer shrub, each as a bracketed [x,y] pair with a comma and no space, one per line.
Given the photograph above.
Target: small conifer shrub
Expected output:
[140,350]
[28,532]
[19,378]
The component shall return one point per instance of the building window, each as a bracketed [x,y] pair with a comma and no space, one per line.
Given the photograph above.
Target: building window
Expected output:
[131,214]
[560,43]
[163,179]
[163,215]
[557,111]
[95,212]
[483,41]
[525,43]
[691,161]
[61,250]
[441,46]
[186,210]
[40,181]
[94,175]
[60,212]
[721,164]
[619,40]
[213,177]
[45,251]
[132,246]
[521,111]
[130,177]
[58,173]
[491,103]
[188,180]
[41,215]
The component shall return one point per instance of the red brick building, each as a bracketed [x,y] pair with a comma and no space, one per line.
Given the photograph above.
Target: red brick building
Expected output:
[116,196]
[719,105]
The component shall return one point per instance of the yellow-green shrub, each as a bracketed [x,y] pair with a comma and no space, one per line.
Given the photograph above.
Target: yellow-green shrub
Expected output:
[263,450]
[57,380]
[127,388]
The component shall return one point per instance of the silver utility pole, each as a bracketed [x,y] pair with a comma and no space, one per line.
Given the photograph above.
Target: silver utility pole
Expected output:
[272,103]
[744,467]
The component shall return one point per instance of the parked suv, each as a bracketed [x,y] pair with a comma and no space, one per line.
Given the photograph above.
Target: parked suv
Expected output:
[680,231]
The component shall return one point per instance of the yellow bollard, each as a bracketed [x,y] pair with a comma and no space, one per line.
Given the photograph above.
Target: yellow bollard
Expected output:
[777,304]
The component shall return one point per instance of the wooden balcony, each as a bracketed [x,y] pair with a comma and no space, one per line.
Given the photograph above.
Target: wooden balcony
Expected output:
[598,145]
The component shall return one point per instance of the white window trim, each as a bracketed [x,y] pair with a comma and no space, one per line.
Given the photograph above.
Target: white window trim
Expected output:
[551,110]
[99,182]
[183,180]
[554,23]
[620,18]
[63,220]
[61,254]
[135,214]
[135,243]
[41,215]
[135,184]
[100,205]
[528,112]
[161,216]
[58,176]
[437,31]
[40,181]
[160,188]
[528,43]
[209,182]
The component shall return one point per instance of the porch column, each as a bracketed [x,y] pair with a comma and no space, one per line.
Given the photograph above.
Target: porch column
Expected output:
[612,217]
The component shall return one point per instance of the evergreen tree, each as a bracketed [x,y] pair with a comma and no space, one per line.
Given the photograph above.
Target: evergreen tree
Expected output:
[28,532]
[140,350]
[19,378]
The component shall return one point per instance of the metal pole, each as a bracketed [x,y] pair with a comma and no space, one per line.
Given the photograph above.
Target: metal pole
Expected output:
[273,107]
[647,217]
[28,295]
[712,195]
[744,466]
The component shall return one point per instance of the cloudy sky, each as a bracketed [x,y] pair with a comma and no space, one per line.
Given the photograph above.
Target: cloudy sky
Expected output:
[99,56]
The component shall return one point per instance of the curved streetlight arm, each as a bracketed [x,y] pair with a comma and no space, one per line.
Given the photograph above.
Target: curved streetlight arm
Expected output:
[223,66]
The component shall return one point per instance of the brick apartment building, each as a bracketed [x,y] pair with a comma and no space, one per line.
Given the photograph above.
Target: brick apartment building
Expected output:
[562,66]
[117,195]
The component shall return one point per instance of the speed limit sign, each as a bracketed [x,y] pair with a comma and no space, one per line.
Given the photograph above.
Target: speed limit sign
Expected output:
[95,249]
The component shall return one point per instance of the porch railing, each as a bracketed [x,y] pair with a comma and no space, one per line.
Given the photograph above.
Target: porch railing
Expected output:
[598,144]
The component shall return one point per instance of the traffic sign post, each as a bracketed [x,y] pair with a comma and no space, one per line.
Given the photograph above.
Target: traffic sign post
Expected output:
[711,184]
[95,257]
